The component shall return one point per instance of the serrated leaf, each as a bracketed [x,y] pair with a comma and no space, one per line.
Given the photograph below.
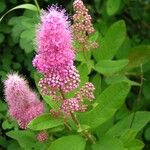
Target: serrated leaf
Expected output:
[44,121]
[109,101]
[109,67]
[113,6]
[72,142]
[112,41]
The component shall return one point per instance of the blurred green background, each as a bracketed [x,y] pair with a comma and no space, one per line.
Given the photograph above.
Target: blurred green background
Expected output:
[17,31]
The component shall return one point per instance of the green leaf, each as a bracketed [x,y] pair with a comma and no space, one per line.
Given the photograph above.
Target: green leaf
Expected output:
[138,55]
[37,78]
[140,120]
[135,145]
[3,106]
[50,102]
[6,125]
[116,78]
[147,134]
[109,67]
[83,71]
[80,56]
[72,142]
[26,40]
[26,139]
[14,146]
[2,5]
[109,101]
[2,37]
[44,121]
[23,6]
[97,84]
[112,41]
[3,141]
[108,143]
[113,6]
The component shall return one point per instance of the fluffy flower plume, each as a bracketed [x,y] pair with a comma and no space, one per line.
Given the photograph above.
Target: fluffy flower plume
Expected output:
[55,54]
[23,103]
[82,25]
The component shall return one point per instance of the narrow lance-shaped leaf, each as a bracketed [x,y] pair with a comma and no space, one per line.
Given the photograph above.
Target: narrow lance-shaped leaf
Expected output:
[23,6]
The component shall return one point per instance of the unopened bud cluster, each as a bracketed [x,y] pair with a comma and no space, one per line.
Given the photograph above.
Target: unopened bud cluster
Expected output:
[72,105]
[76,104]
[82,26]
[42,136]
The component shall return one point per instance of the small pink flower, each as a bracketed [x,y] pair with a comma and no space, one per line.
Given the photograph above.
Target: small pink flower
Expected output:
[72,105]
[42,136]
[87,91]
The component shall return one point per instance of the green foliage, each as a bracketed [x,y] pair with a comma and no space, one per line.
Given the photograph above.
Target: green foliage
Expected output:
[118,119]
[44,121]
[73,142]
[109,143]
[115,36]
[113,6]
[108,102]
[109,67]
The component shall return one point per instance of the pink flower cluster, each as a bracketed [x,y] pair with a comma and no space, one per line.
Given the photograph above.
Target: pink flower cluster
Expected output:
[55,53]
[72,105]
[82,25]
[87,91]
[42,136]
[76,104]
[23,103]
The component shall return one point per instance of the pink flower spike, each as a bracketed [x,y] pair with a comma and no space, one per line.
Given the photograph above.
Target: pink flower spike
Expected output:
[55,54]
[23,103]
[54,43]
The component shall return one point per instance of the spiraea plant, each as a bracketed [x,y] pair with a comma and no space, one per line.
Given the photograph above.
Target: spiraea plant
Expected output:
[70,109]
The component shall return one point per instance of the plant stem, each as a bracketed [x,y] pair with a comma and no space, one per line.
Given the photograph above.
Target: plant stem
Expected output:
[67,126]
[37,5]
[86,134]
[138,97]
